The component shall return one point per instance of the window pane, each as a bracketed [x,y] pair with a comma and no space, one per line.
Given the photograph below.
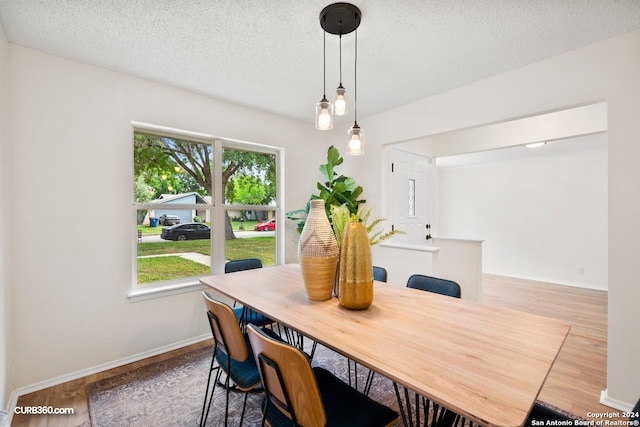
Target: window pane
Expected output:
[175,250]
[249,177]
[255,236]
[165,166]
[173,187]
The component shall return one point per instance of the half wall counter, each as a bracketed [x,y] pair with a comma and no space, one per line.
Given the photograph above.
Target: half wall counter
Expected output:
[455,259]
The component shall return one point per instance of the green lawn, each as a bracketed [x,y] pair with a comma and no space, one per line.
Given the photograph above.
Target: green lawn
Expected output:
[168,268]
[175,267]
[171,247]
[254,247]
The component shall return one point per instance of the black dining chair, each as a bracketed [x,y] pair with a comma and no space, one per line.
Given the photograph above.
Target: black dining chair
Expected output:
[435,285]
[299,395]
[540,413]
[379,273]
[231,354]
[243,314]
[635,413]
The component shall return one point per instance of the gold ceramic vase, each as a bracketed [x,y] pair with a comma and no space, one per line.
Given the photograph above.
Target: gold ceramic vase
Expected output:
[355,276]
[318,253]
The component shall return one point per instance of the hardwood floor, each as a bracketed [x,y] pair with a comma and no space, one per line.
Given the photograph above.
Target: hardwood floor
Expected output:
[574,383]
[580,371]
[73,394]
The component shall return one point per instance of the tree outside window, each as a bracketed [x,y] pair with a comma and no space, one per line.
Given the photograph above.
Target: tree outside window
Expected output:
[174,181]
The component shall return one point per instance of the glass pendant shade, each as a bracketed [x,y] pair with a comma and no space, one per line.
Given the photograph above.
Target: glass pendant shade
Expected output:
[324,115]
[340,102]
[355,146]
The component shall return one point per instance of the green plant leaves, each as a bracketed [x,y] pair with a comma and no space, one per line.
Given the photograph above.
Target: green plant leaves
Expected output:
[333,156]
[333,160]
[336,190]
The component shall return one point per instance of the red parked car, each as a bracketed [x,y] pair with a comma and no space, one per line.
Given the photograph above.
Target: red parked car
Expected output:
[266,226]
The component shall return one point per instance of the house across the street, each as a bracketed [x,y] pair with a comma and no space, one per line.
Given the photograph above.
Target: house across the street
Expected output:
[165,202]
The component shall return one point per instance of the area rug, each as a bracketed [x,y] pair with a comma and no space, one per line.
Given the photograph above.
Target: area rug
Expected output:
[171,393]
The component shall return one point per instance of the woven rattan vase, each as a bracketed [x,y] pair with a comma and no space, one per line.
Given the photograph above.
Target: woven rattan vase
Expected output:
[318,253]
[355,275]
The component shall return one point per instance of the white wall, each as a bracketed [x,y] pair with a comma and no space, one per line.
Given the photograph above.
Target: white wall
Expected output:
[72,146]
[603,71]
[4,219]
[542,212]
[71,122]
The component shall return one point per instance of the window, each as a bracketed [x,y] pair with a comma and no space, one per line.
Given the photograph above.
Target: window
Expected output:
[200,201]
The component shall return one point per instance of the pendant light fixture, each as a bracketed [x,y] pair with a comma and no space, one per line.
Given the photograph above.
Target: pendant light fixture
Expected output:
[341,19]
[355,144]
[324,109]
[340,101]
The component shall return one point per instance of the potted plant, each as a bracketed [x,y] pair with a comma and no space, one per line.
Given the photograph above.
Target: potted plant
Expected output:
[336,190]
[341,200]
[346,223]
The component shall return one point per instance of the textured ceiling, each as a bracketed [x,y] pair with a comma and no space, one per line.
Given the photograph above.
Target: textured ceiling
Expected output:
[268,54]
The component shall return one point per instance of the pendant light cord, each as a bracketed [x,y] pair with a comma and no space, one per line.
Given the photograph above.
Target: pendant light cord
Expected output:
[355,84]
[340,60]
[324,64]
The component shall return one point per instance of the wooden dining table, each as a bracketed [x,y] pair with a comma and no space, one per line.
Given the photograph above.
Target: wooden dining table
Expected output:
[485,363]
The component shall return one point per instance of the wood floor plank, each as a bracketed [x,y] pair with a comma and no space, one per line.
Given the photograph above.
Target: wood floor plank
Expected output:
[574,383]
[579,373]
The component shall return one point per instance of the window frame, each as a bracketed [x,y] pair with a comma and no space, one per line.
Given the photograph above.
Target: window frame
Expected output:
[217,209]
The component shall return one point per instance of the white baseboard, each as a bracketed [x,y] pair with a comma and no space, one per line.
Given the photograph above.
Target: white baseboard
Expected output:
[15,394]
[614,403]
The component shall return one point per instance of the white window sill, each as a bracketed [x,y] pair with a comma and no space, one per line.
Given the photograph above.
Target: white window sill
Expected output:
[143,293]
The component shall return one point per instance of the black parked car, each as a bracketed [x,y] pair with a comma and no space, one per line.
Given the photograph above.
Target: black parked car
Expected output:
[189,231]
[169,219]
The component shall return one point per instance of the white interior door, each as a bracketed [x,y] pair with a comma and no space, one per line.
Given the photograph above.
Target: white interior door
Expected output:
[410,196]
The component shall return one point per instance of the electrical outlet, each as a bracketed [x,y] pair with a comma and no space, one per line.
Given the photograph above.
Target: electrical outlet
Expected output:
[581,270]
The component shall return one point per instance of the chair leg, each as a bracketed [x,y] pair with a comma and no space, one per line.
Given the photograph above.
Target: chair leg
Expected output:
[217,377]
[244,407]
[206,392]
[226,404]
[203,416]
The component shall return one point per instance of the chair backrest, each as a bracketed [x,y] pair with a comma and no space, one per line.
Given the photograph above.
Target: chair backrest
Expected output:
[225,329]
[435,285]
[242,264]
[379,274]
[288,379]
